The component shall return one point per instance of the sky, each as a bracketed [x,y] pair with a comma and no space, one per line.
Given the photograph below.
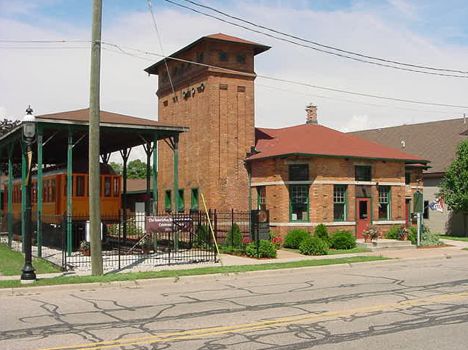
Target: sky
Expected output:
[55,77]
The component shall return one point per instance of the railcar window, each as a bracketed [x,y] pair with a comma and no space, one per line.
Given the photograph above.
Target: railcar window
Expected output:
[52,190]
[80,186]
[107,186]
[116,186]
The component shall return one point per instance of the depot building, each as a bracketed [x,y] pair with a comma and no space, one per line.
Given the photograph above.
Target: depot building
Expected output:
[304,175]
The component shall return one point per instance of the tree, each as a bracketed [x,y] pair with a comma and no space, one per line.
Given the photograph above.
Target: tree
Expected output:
[136,169]
[454,186]
[117,167]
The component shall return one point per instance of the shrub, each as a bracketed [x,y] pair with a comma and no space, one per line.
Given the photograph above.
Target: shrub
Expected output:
[343,240]
[202,236]
[430,239]
[372,232]
[393,233]
[294,238]
[234,237]
[413,234]
[313,246]
[266,249]
[321,232]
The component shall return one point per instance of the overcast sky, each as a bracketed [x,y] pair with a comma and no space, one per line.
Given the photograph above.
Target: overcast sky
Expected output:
[433,33]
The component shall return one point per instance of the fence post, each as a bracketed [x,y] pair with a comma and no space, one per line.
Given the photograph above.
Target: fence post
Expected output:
[119,233]
[64,244]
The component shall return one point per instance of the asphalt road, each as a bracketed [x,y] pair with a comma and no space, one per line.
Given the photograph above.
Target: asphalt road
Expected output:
[385,305]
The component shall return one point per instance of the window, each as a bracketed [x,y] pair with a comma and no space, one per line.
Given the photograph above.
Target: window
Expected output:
[240,58]
[52,190]
[299,202]
[168,201]
[116,190]
[223,56]
[426,210]
[194,199]
[80,186]
[363,172]
[407,178]
[339,202]
[299,172]
[384,202]
[107,187]
[261,197]
[180,200]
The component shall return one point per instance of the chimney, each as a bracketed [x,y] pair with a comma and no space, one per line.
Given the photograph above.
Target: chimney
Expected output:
[311,114]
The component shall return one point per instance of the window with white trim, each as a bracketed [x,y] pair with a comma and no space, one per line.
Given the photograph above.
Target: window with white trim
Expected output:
[339,202]
[384,202]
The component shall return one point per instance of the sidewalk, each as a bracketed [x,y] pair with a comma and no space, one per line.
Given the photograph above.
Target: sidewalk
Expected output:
[284,256]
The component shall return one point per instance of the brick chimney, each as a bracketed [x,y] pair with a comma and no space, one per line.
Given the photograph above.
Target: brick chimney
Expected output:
[311,114]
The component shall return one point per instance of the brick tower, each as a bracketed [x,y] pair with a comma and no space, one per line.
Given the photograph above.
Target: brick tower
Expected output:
[216,101]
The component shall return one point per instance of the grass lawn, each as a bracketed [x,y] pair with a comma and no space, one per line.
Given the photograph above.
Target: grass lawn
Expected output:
[11,263]
[455,238]
[336,251]
[131,276]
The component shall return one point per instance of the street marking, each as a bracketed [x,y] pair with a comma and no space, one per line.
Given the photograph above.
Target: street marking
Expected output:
[282,321]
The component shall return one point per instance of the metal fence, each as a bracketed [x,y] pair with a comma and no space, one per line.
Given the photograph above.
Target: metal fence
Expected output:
[126,242]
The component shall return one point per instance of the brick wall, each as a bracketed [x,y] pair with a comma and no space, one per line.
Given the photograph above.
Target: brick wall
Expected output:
[221,122]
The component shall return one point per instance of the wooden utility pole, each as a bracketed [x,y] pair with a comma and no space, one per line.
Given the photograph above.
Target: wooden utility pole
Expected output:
[94,144]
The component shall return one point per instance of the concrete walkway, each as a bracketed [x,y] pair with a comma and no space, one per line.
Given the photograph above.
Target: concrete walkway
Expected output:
[454,249]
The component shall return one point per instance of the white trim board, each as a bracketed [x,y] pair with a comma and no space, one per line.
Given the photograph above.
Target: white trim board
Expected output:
[389,222]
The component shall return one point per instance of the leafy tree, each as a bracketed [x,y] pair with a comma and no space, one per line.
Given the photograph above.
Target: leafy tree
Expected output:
[117,167]
[454,186]
[136,169]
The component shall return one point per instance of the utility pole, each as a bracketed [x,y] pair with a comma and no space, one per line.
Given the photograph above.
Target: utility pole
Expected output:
[94,143]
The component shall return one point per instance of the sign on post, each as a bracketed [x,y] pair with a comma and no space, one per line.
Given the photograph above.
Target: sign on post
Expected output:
[168,224]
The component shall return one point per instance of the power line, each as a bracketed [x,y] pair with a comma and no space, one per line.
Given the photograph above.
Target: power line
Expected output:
[323,45]
[338,54]
[150,9]
[123,50]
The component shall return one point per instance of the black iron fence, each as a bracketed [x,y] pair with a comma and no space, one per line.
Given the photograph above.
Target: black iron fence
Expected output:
[129,241]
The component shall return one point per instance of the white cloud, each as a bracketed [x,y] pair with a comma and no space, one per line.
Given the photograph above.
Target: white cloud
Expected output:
[55,80]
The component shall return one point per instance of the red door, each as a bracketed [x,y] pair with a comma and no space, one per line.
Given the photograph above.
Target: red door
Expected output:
[363,215]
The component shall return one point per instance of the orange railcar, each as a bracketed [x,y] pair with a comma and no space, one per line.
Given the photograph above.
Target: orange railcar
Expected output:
[55,195]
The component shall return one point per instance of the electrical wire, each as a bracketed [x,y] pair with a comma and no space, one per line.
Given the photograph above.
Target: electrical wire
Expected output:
[323,45]
[125,51]
[150,9]
[342,55]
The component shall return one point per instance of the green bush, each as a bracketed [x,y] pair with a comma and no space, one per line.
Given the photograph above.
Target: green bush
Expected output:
[266,249]
[234,237]
[343,240]
[394,232]
[430,239]
[412,234]
[202,236]
[294,238]
[321,232]
[313,246]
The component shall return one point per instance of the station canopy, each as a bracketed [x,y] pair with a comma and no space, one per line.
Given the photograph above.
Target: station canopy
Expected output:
[117,132]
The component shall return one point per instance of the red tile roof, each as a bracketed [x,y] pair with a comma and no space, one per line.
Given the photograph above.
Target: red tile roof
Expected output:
[311,139]
[258,48]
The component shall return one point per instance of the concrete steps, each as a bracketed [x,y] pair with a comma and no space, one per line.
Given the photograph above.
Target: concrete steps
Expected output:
[383,244]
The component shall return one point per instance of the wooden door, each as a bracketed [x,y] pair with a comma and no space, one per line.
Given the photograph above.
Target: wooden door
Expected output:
[363,215]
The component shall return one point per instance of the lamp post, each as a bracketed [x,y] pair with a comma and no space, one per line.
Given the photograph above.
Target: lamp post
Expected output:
[29,134]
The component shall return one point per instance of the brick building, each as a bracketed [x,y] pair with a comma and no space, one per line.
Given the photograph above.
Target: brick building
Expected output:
[304,175]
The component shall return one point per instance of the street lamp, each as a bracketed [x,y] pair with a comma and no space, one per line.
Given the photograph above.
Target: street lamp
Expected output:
[29,134]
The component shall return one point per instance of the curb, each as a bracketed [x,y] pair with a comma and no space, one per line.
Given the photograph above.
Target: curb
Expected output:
[24,291]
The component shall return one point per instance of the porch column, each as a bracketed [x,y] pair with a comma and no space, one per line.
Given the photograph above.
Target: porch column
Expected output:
[155,175]
[69,191]
[176,188]
[10,195]
[23,192]
[125,153]
[176,172]
[39,192]
[148,149]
